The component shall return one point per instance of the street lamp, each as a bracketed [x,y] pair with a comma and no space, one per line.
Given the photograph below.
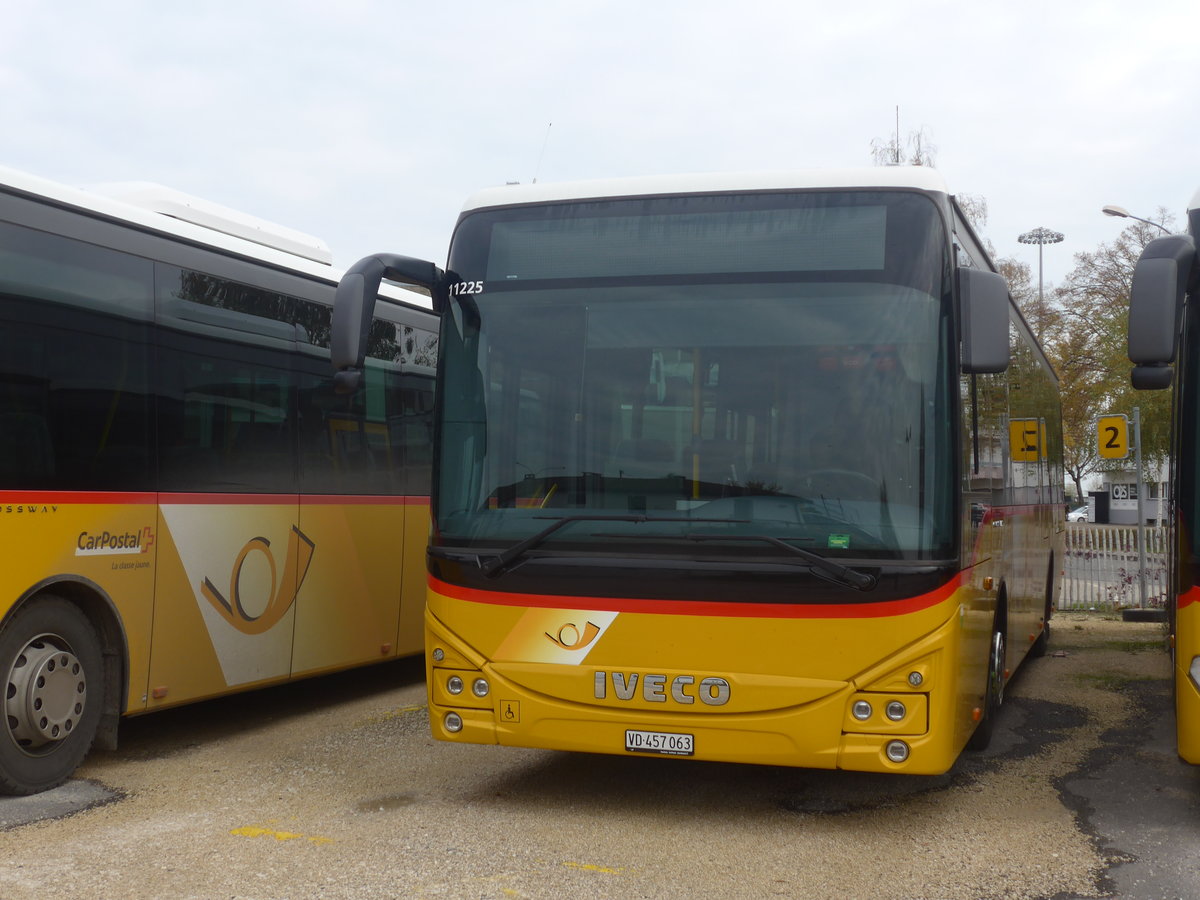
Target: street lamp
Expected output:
[1122,213]
[1040,236]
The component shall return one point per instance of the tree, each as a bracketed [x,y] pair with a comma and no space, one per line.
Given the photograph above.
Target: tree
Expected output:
[1020,284]
[1089,349]
[975,208]
[1082,326]
[1084,388]
[1069,354]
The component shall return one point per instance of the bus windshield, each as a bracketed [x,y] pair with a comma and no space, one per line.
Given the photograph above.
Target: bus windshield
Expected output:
[701,375]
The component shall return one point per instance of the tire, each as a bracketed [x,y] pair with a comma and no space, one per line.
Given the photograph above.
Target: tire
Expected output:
[52,666]
[1042,644]
[994,696]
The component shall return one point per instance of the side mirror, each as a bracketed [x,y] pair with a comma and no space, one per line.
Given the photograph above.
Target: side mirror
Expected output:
[1156,294]
[984,318]
[1151,378]
[354,308]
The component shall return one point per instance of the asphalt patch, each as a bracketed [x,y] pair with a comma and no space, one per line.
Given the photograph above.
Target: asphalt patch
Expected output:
[1024,728]
[65,800]
[1139,803]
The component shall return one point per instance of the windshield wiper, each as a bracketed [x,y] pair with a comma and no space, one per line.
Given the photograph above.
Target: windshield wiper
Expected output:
[823,567]
[507,558]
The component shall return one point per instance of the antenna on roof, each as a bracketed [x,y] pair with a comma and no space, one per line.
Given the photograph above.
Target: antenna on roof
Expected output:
[545,141]
[897,162]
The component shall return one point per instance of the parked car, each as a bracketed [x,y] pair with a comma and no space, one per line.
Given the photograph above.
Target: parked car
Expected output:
[1079,514]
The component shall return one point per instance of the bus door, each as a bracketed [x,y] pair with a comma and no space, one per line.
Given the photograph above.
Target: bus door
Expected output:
[231,557]
[352,517]
[364,503]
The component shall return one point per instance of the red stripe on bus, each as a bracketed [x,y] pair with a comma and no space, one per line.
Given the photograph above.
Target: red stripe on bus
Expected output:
[288,499]
[134,498]
[63,498]
[863,610]
[1191,595]
[227,499]
[380,500]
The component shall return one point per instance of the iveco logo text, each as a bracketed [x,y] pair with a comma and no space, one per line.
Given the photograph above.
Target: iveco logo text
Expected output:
[711,691]
[107,543]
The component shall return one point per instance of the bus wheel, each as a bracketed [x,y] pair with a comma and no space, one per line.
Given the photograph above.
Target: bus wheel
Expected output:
[995,691]
[52,667]
[1042,644]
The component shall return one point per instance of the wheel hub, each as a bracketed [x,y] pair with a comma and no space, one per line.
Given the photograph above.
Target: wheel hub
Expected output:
[45,695]
[997,667]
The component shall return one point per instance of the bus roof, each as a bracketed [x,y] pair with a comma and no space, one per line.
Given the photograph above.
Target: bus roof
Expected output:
[915,177]
[154,208]
[186,208]
[161,209]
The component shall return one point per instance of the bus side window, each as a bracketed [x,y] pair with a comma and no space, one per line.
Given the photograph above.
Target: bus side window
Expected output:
[74,365]
[226,401]
[26,450]
[413,432]
[379,439]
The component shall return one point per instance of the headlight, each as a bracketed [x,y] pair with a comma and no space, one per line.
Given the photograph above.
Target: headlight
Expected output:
[454,684]
[861,710]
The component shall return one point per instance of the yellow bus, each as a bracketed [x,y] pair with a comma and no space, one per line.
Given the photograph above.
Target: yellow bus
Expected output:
[187,507]
[1163,330]
[757,468]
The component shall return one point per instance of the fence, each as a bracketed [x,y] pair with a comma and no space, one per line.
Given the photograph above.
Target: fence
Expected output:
[1100,571]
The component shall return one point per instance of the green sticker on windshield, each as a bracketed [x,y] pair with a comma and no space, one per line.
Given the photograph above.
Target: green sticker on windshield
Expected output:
[839,541]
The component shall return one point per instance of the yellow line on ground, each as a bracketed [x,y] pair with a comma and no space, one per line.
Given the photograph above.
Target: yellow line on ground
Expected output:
[588,867]
[256,831]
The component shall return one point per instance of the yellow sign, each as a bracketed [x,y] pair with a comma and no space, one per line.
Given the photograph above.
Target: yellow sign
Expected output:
[1112,437]
[1026,440]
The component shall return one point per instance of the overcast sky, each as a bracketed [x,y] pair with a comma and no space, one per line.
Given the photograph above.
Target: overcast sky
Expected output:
[367,123]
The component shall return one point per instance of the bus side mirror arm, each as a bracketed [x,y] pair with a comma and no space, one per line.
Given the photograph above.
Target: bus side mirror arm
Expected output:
[354,308]
[1160,280]
[983,318]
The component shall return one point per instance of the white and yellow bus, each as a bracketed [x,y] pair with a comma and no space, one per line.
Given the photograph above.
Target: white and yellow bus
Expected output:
[755,468]
[1164,345]
[187,507]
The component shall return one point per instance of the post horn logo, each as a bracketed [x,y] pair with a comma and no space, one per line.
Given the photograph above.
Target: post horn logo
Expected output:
[283,590]
[571,638]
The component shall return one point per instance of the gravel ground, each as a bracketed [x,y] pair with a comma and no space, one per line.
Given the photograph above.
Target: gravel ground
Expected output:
[333,789]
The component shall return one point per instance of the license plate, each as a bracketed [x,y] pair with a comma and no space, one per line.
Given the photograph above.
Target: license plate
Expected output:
[660,742]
